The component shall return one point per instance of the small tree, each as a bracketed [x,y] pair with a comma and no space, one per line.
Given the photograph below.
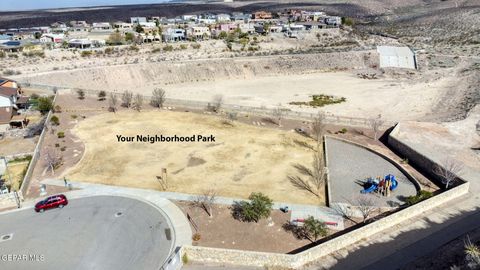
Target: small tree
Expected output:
[53,161]
[314,179]
[217,103]
[314,228]
[448,171]
[318,127]
[366,205]
[344,210]
[206,201]
[113,102]
[127,97]
[81,94]
[258,207]
[158,98]
[138,102]
[44,104]
[278,114]
[102,95]
[376,125]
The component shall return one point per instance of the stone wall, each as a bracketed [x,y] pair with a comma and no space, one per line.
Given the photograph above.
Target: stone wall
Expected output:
[261,259]
[420,161]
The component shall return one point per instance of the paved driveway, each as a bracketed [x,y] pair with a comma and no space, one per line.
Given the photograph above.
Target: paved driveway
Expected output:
[101,232]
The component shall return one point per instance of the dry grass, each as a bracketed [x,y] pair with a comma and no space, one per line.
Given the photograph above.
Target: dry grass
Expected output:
[15,171]
[243,159]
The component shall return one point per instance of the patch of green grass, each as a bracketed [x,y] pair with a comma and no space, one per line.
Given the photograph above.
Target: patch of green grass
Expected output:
[21,159]
[320,101]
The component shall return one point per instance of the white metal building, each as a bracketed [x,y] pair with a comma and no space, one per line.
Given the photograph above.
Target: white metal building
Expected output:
[397,57]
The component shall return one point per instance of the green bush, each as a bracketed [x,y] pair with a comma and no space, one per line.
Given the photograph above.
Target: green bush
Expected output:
[102,95]
[321,100]
[421,195]
[168,48]
[314,228]
[21,159]
[44,104]
[54,120]
[343,131]
[185,258]
[258,207]
[183,47]
[61,134]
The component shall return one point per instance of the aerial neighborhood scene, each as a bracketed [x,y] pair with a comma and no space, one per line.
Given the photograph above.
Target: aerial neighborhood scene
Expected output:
[256,134]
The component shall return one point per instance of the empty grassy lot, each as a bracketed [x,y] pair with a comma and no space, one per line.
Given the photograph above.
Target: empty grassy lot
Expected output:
[243,158]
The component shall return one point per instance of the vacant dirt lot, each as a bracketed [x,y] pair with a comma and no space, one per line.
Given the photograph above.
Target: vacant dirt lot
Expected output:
[243,158]
[15,171]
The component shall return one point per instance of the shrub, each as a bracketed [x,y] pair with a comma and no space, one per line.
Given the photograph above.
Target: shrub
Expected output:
[183,47]
[44,104]
[81,94]
[343,131]
[63,148]
[74,116]
[61,134]
[133,48]
[421,195]
[168,48]
[102,95]
[54,120]
[184,258]
[196,237]
[86,53]
[314,228]
[156,50]
[57,145]
[321,100]
[258,207]
[57,109]
[196,46]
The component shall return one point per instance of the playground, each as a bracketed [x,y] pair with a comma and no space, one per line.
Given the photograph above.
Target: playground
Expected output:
[242,159]
[355,172]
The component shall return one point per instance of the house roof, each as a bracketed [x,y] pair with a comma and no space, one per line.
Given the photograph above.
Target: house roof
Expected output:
[8,91]
[22,100]
[394,51]
[5,115]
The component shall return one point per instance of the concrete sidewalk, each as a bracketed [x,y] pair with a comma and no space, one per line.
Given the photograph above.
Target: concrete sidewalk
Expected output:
[297,210]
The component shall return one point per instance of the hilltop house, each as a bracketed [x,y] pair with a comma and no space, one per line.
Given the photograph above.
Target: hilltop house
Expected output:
[198,32]
[262,15]
[11,100]
[173,34]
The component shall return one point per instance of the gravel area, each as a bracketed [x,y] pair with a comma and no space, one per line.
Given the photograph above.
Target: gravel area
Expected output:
[350,165]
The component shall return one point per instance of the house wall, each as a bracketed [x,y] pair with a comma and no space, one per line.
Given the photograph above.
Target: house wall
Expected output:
[5,102]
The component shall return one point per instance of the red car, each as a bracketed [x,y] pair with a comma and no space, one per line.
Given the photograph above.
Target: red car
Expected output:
[51,202]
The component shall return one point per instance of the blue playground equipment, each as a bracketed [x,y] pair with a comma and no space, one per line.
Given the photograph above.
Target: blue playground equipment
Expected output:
[374,184]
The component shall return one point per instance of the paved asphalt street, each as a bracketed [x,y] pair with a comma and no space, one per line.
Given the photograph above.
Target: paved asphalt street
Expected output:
[102,232]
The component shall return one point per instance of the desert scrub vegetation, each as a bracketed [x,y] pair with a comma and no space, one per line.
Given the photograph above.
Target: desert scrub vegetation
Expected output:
[34,54]
[86,53]
[168,48]
[196,46]
[320,101]
[421,195]
[61,134]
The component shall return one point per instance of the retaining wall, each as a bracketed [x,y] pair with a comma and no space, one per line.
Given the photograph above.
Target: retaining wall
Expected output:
[422,162]
[261,259]
[35,156]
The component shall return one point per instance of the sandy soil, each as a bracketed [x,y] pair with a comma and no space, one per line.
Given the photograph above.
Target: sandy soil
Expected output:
[12,146]
[223,231]
[394,99]
[243,159]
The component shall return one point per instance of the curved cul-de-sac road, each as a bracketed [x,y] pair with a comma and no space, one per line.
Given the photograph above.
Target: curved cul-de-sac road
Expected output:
[101,232]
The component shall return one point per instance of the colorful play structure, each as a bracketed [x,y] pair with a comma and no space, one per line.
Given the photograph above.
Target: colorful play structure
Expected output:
[379,185]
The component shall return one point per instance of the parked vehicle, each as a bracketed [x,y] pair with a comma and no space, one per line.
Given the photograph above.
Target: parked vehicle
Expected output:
[51,202]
